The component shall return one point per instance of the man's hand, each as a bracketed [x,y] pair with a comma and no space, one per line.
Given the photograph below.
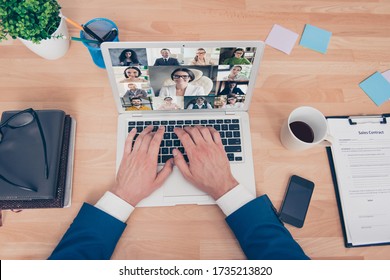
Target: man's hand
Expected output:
[208,167]
[137,176]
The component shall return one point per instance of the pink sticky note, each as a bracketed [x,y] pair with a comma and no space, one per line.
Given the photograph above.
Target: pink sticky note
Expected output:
[281,39]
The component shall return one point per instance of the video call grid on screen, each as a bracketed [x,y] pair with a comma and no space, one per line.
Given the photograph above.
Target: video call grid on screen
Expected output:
[147,82]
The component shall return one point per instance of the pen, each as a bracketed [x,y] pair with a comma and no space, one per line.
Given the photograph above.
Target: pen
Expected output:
[84,40]
[72,22]
[83,28]
[110,36]
[92,34]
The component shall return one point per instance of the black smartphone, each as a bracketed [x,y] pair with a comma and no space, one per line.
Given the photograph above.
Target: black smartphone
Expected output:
[296,201]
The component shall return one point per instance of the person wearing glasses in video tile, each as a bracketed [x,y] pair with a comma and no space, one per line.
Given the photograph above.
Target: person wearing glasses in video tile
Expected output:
[237,58]
[200,58]
[182,87]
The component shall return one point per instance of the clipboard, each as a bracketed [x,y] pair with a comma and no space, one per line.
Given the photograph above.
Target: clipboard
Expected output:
[353,121]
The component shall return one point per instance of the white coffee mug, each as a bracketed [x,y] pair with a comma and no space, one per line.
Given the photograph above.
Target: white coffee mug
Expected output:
[305,127]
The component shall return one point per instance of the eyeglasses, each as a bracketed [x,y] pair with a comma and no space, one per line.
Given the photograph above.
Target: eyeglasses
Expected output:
[18,120]
[200,52]
[184,77]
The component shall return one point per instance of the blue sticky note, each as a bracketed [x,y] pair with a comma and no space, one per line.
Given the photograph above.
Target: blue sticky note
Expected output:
[377,88]
[315,38]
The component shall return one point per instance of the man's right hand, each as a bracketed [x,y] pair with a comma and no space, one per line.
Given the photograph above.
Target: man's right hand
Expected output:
[208,167]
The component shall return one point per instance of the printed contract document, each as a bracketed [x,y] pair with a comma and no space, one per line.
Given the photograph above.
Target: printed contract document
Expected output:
[361,158]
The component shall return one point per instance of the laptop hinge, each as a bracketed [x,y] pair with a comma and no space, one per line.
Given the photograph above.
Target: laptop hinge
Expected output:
[230,113]
[136,115]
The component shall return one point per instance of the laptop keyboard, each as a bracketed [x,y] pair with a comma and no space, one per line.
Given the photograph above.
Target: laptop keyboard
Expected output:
[229,130]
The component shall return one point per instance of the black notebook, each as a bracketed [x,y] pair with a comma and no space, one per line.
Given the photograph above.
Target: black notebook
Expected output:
[22,161]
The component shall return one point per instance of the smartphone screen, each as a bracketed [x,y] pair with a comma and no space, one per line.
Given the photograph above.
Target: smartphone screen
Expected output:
[296,201]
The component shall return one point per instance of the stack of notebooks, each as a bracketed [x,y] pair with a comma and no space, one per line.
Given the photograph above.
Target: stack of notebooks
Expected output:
[22,162]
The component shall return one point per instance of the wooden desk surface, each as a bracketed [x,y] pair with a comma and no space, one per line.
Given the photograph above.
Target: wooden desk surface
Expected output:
[359,46]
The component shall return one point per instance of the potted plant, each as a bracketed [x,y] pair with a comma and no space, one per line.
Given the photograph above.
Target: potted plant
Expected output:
[37,23]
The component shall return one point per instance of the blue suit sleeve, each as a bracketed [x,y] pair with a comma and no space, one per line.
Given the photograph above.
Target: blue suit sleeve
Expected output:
[261,234]
[93,235]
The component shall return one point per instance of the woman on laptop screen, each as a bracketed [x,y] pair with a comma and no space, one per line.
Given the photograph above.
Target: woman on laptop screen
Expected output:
[232,102]
[237,58]
[128,57]
[182,78]
[132,74]
[169,104]
[200,58]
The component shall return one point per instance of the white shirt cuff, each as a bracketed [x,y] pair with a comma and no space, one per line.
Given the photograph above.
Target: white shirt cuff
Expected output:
[234,199]
[115,206]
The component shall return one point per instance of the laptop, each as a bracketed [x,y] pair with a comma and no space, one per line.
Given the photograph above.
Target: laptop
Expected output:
[178,84]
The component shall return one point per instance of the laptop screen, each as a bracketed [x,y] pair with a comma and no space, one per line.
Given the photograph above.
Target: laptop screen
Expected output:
[182,77]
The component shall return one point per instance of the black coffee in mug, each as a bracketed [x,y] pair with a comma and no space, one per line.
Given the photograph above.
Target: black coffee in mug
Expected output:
[302,131]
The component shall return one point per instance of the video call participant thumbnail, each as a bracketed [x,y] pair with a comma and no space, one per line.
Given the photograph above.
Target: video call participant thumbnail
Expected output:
[166,60]
[182,77]
[199,103]
[136,105]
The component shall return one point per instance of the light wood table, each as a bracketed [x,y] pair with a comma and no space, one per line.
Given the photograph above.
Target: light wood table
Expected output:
[359,46]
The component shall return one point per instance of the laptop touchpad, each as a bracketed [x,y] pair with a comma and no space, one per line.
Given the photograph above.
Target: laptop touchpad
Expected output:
[176,185]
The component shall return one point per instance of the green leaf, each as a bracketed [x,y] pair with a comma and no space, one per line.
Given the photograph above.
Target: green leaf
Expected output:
[28,19]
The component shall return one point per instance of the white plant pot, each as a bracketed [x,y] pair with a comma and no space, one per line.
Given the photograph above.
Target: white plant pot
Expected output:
[52,48]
